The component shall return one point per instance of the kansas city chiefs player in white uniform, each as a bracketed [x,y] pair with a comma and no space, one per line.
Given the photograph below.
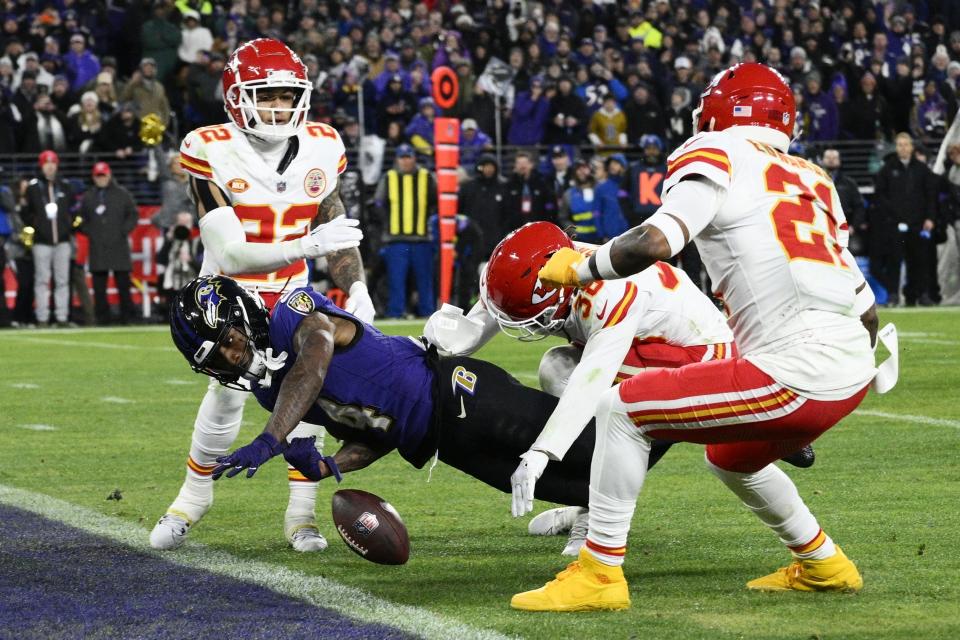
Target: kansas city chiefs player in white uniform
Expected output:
[658,318]
[772,234]
[260,182]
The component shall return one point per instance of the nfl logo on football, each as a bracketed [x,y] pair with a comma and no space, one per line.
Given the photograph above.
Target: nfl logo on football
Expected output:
[366,523]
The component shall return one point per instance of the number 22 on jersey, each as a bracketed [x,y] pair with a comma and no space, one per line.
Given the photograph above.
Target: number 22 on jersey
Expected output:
[803,220]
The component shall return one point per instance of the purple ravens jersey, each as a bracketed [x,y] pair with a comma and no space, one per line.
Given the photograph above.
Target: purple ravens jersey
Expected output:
[379,389]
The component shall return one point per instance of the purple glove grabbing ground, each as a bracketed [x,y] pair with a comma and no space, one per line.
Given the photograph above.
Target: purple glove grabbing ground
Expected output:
[250,457]
[302,455]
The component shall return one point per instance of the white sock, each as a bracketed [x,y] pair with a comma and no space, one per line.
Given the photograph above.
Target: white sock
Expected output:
[617,472]
[301,509]
[771,495]
[214,431]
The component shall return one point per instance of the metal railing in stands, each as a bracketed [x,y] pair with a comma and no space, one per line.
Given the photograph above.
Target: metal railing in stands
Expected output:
[861,160]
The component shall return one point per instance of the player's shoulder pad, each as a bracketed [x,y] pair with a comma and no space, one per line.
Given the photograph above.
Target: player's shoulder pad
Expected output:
[326,140]
[193,155]
[304,301]
[706,154]
[611,301]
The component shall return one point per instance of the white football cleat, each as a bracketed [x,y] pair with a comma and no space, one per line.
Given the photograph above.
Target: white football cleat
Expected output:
[578,535]
[170,532]
[554,522]
[306,538]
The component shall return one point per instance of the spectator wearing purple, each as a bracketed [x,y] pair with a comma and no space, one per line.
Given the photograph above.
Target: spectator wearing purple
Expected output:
[824,119]
[930,115]
[391,70]
[473,143]
[420,129]
[529,119]
[81,65]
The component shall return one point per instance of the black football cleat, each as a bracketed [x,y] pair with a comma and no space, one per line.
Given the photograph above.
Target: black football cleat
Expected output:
[804,458]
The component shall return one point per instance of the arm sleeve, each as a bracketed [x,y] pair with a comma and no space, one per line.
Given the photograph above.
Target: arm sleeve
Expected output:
[604,351]
[695,202]
[223,236]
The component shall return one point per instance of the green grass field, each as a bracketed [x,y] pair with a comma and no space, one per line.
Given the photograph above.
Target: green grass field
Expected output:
[119,407]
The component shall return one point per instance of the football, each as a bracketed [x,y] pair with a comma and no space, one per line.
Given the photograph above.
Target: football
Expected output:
[370,526]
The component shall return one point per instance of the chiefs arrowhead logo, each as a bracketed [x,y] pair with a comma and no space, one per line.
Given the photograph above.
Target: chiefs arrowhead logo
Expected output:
[541,294]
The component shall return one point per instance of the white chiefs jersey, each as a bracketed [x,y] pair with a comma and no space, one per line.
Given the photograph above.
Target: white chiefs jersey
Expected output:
[661,304]
[272,207]
[775,252]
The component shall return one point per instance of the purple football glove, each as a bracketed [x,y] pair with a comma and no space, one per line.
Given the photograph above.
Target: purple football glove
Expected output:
[303,456]
[250,457]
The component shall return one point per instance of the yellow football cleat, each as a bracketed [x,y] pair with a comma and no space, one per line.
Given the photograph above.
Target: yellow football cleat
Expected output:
[561,269]
[585,585]
[836,573]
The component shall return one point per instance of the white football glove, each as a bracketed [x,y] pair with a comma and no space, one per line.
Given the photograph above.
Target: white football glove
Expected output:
[451,332]
[359,302]
[524,480]
[338,234]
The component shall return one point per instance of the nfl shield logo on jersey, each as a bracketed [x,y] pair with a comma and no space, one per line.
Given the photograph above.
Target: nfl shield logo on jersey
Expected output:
[281,186]
[366,523]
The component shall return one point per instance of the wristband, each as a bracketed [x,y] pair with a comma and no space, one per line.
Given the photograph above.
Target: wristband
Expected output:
[356,287]
[671,230]
[332,465]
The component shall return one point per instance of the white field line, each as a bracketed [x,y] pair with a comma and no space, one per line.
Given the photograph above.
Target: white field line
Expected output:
[117,400]
[886,310]
[36,427]
[24,385]
[321,592]
[84,343]
[902,417]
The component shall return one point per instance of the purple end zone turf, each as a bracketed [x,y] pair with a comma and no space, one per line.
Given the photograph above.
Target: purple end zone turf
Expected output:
[60,582]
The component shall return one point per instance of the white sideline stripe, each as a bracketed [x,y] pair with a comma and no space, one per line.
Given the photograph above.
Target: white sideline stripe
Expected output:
[918,310]
[37,427]
[147,328]
[936,422]
[24,385]
[321,592]
[931,341]
[116,400]
[98,345]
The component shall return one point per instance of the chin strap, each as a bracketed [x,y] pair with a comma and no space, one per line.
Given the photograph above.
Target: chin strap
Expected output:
[273,363]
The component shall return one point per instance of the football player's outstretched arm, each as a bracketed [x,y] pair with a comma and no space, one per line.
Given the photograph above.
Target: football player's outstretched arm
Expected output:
[346,265]
[687,208]
[313,342]
[223,236]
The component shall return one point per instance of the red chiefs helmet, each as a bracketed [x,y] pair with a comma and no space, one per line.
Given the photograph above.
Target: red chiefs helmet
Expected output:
[511,290]
[747,94]
[261,64]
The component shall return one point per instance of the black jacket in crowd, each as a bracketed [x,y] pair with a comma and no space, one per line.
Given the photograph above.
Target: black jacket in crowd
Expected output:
[543,201]
[109,215]
[34,214]
[484,200]
[905,194]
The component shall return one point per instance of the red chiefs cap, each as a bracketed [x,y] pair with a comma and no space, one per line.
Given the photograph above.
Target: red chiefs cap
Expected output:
[101,169]
[48,156]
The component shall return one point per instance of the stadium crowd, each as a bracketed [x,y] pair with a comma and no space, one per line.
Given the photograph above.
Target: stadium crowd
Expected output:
[594,94]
